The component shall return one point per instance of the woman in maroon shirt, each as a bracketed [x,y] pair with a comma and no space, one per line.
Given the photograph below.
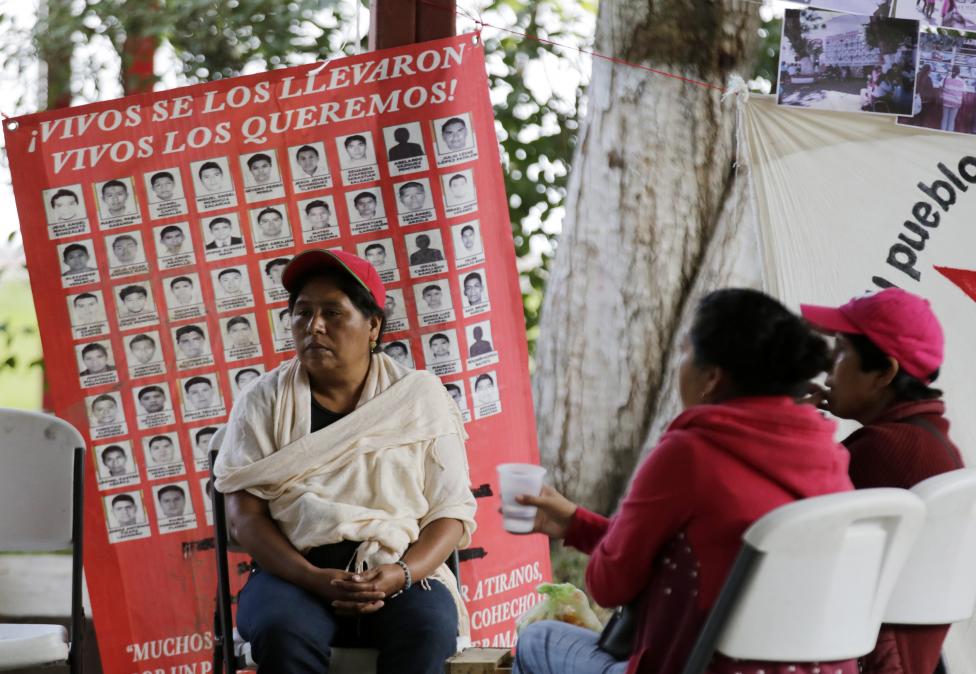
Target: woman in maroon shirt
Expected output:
[887,354]
[742,447]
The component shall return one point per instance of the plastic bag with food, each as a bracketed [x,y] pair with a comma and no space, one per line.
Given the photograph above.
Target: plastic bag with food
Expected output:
[564,602]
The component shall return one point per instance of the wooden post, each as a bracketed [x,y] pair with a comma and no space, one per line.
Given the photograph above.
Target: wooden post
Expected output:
[394,23]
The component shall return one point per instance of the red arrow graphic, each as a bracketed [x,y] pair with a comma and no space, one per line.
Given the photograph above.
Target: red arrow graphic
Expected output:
[964,278]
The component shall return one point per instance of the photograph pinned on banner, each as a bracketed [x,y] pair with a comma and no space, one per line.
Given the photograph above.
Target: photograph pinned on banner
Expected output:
[945,89]
[847,63]
[959,14]
[865,7]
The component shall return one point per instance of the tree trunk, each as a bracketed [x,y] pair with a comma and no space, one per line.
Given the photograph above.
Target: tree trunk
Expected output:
[653,216]
[54,50]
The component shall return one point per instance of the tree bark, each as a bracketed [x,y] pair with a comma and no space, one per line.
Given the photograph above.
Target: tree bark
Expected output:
[654,215]
[55,49]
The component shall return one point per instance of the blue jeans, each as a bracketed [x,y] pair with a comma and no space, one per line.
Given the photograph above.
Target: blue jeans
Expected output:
[552,647]
[949,118]
[291,630]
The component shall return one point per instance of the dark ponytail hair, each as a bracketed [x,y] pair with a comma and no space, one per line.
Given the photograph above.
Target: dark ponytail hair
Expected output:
[906,387]
[765,348]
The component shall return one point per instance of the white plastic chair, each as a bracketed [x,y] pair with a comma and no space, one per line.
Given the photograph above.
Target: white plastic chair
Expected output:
[812,580]
[938,584]
[41,496]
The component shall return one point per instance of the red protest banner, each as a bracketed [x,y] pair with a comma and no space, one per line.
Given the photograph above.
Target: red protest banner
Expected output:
[156,228]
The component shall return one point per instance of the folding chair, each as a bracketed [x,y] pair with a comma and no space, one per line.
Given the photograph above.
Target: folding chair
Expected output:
[41,498]
[937,586]
[812,580]
[231,652]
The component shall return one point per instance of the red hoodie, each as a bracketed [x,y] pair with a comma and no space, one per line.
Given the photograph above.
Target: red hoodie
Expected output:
[716,470]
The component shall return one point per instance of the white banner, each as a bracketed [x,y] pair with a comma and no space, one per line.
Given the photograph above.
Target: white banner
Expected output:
[850,202]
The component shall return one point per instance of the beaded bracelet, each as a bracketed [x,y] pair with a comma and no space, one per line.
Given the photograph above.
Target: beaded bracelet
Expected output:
[409,579]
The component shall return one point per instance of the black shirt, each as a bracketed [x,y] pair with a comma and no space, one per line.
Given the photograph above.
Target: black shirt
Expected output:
[322,417]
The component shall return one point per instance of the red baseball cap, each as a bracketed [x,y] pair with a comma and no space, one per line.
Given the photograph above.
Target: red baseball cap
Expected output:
[899,323]
[316,260]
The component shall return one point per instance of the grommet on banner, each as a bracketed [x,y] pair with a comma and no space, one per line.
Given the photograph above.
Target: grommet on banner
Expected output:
[12,125]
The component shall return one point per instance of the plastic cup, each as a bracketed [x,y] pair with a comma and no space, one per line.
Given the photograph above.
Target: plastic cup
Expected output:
[516,479]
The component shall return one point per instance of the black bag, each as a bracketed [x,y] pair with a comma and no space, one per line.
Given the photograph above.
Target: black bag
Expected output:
[617,637]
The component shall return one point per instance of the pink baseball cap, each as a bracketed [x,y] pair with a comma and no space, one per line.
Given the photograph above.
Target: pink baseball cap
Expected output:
[899,323]
[316,260]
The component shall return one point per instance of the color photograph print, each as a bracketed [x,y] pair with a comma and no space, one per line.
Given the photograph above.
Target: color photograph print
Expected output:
[65,211]
[958,14]
[174,246]
[162,456]
[399,350]
[865,7]
[106,419]
[242,377]
[847,63]
[153,405]
[213,185]
[442,355]
[405,149]
[945,90]
[240,337]
[117,205]
[468,249]
[143,354]
[115,465]
[125,516]
[425,252]
[174,507]
[232,288]
[381,255]
[222,236]
[78,266]
[135,305]
[96,364]
[199,439]
[271,271]
[357,158]
[309,168]
[454,141]
[367,213]
[270,229]
[164,192]
[415,203]
[396,311]
[126,254]
[201,398]
[262,176]
[433,302]
[192,345]
[87,314]
[456,390]
[319,220]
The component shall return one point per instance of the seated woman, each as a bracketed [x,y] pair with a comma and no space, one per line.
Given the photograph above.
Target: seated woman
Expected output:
[887,354]
[347,481]
[742,447]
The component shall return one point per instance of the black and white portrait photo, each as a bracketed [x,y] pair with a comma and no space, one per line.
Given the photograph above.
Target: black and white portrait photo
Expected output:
[78,265]
[441,354]
[164,191]
[367,212]
[125,516]
[213,184]
[415,204]
[153,405]
[262,177]
[468,248]
[357,158]
[309,168]
[117,205]
[114,465]
[405,149]
[65,211]
[174,245]
[433,302]
[425,252]
[381,255]
[454,139]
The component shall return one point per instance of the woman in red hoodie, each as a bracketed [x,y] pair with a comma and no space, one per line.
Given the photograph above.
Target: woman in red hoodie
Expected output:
[741,448]
[887,354]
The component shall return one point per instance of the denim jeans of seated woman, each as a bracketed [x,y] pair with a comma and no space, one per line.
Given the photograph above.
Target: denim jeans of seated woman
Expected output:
[291,630]
[551,647]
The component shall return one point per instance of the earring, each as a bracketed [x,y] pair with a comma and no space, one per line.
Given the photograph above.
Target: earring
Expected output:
[372,345]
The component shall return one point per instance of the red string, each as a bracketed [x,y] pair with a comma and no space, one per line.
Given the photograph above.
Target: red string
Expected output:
[481,24]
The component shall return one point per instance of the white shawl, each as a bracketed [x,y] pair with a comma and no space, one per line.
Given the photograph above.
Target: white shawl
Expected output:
[377,475]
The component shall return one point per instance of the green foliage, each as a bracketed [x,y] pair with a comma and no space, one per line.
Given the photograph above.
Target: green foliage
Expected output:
[767,61]
[796,25]
[889,36]
[537,132]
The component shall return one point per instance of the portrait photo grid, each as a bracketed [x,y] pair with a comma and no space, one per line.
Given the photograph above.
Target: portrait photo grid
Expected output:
[171,277]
